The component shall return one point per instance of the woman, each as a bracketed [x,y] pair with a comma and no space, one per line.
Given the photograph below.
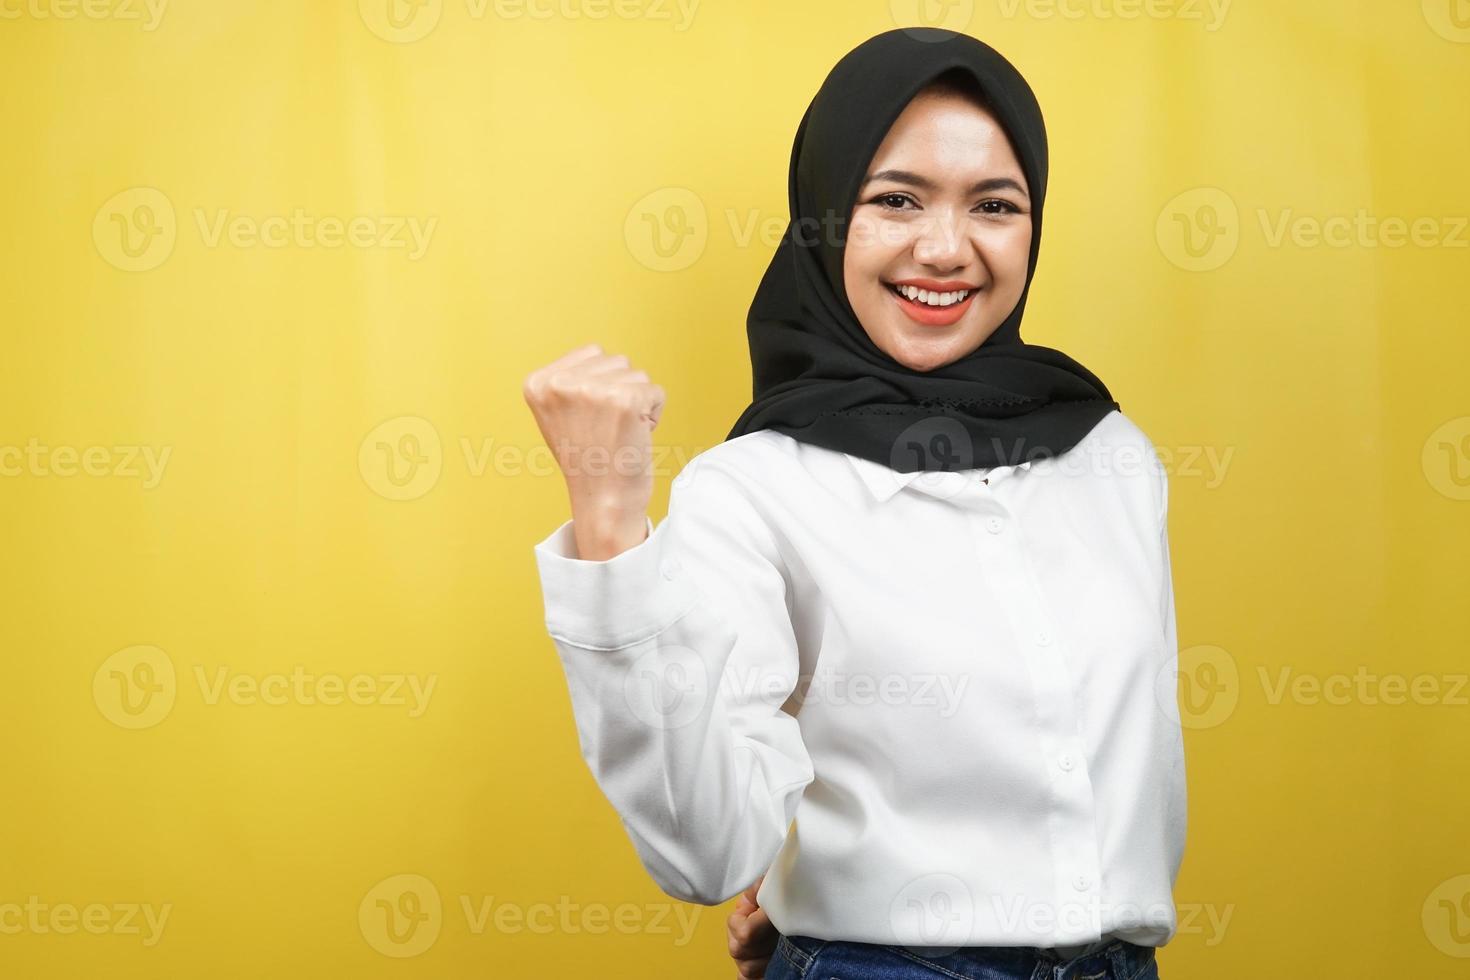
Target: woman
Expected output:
[918,601]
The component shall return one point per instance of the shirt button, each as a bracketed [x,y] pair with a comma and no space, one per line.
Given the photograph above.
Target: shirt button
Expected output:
[1082,883]
[1066,763]
[671,568]
[994,525]
[1043,637]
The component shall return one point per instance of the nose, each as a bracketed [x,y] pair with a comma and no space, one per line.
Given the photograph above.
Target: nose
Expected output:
[942,241]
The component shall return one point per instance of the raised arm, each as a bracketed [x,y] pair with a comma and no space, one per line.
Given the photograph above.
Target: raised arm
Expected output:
[679,653]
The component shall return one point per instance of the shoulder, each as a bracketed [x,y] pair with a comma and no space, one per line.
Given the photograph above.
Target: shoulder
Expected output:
[1116,430]
[729,495]
[752,466]
[1117,448]
[761,459]
[764,477]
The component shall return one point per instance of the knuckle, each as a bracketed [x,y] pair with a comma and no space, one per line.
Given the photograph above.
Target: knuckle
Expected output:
[564,384]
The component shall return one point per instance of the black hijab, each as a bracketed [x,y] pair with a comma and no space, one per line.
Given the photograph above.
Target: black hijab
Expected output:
[818,376]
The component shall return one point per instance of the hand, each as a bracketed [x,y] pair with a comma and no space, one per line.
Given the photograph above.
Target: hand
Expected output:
[752,935]
[597,414]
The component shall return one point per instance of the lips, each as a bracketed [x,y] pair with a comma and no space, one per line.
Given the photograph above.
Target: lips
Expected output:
[933,316]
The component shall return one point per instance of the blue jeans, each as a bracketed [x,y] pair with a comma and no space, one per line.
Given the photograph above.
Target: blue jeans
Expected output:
[804,958]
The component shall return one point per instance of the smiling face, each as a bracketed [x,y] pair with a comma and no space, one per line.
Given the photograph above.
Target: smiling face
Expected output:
[940,237]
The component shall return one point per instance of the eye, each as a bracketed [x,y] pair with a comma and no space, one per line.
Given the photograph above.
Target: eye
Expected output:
[895,201]
[892,201]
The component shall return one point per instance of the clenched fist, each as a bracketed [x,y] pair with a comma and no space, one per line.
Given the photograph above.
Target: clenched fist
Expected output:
[597,414]
[752,935]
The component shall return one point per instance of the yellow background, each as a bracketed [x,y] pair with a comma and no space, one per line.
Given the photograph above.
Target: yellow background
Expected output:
[1325,381]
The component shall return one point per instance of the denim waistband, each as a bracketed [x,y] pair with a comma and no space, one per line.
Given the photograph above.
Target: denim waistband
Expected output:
[1064,953]
[1108,957]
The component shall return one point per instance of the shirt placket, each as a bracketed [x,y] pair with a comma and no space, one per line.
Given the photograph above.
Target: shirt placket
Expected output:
[1007,568]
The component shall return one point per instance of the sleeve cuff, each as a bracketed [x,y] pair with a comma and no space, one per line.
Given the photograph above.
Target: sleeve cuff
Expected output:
[616,602]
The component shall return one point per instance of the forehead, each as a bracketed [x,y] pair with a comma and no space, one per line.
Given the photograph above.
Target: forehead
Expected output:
[950,131]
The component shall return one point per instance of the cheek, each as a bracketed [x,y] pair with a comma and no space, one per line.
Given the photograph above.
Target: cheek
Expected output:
[869,244]
[1007,251]
[865,255]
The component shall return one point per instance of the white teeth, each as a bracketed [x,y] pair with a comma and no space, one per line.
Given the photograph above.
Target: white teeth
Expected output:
[929,298]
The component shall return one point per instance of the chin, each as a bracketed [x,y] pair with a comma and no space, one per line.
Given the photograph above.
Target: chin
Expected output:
[925,356]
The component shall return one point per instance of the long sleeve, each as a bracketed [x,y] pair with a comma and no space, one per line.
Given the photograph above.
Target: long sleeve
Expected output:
[1171,637]
[1176,820]
[679,654]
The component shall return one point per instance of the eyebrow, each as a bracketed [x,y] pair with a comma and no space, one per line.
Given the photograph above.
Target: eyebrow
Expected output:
[924,183]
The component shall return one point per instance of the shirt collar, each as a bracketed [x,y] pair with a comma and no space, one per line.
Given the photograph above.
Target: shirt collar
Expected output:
[884,482]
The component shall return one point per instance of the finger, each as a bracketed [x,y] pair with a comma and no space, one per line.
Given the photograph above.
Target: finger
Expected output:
[748,944]
[739,937]
[577,355]
[604,364]
[649,396]
[755,886]
[754,969]
[632,377]
[656,408]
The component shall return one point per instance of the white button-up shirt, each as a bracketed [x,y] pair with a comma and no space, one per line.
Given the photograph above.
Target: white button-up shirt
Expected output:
[959,685]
